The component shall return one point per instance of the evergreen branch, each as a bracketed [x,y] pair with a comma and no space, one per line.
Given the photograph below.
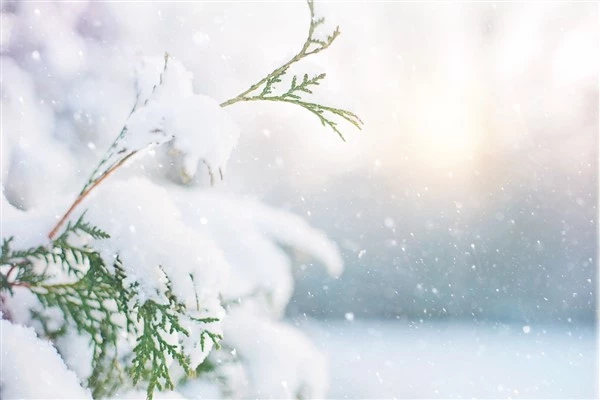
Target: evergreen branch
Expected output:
[107,164]
[95,301]
[150,362]
[113,148]
[82,226]
[214,337]
[206,320]
[5,249]
[320,111]
[21,263]
[293,95]
[25,276]
[303,86]
[87,191]
[45,322]
[304,52]
[34,252]
[90,304]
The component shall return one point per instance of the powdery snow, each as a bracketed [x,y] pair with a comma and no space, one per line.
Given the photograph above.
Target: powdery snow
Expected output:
[151,240]
[32,368]
[197,128]
[281,362]
[251,234]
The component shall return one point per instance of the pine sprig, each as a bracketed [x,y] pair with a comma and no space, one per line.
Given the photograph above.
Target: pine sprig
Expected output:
[115,152]
[95,301]
[5,249]
[264,90]
[214,337]
[81,226]
[113,159]
[39,252]
[153,344]
[91,305]
[150,363]
[303,86]
[99,306]
[271,81]
[20,265]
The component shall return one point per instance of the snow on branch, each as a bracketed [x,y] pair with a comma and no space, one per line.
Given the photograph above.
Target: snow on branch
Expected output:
[132,276]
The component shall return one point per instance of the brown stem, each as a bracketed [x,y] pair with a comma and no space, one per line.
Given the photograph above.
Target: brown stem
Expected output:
[83,194]
[19,284]
[12,268]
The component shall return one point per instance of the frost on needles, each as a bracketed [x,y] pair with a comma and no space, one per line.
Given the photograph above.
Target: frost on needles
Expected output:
[147,290]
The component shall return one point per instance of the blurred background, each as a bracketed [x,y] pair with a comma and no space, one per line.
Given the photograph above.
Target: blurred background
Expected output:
[472,191]
[466,209]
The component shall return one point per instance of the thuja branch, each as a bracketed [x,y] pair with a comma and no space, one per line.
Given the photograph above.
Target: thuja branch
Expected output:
[108,164]
[87,189]
[264,88]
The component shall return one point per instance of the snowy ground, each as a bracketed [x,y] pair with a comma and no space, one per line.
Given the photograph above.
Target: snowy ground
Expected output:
[387,359]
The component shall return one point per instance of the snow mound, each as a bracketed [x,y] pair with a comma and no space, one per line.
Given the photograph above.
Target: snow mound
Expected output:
[152,242]
[31,367]
[249,234]
[195,125]
[282,362]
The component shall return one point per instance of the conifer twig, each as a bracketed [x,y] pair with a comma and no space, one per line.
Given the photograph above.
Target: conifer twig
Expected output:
[87,189]
[95,179]
[293,95]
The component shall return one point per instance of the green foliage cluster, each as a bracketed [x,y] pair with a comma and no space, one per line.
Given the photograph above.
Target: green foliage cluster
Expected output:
[96,303]
[93,296]
[265,89]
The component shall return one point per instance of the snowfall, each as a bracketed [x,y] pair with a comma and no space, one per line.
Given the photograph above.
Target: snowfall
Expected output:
[447,250]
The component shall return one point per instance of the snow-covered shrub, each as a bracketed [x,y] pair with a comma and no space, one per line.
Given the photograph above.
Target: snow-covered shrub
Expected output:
[131,285]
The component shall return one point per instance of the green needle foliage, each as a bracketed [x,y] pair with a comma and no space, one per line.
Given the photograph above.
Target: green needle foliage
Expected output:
[88,302]
[90,293]
[265,89]
[97,304]
[150,362]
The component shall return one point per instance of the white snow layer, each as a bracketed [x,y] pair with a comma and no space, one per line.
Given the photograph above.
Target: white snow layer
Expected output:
[31,367]
[55,130]
[151,240]
[155,246]
[168,110]
[230,247]
[281,362]
[249,234]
